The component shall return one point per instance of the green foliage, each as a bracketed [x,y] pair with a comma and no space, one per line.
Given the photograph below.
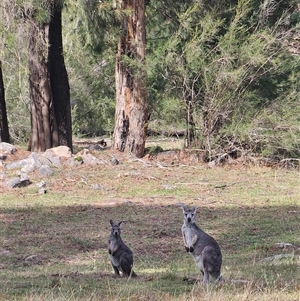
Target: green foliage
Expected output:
[229,69]
[90,63]
[13,54]
[225,70]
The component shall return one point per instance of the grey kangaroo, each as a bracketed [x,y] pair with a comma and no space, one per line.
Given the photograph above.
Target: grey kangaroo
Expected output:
[201,246]
[120,255]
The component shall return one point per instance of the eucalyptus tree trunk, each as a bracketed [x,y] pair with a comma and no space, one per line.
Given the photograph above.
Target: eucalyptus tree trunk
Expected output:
[4,133]
[43,124]
[48,80]
[59,79]
[131,104]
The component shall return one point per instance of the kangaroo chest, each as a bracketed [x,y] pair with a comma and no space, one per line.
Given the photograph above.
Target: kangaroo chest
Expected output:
[189,234]
[114,260]
[113,244]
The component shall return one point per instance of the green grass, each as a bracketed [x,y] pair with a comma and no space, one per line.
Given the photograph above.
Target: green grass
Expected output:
[53,246]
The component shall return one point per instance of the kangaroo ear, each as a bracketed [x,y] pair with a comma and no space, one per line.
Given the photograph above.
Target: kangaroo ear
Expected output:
[120,223]
[183,207]
[194,209]
[111,222]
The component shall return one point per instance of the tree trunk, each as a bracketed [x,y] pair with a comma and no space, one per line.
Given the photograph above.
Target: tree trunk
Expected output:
[131,105]
[43,126]
[59,79]
[4,133]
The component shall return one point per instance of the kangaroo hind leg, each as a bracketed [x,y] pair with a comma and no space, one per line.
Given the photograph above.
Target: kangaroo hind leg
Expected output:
[126,265]
[116,270]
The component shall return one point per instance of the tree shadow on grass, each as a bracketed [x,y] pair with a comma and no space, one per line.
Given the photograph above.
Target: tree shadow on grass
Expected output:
[73,240]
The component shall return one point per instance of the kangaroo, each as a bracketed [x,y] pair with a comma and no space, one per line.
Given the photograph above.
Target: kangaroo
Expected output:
[201,246]
[120,255]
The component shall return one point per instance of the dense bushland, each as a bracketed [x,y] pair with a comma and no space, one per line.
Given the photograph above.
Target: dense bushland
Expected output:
[225,72]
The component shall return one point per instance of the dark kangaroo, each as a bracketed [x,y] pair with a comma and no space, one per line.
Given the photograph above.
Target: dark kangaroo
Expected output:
[120,255]
[202,247]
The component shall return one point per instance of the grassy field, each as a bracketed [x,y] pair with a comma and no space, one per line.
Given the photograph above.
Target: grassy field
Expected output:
[53,246]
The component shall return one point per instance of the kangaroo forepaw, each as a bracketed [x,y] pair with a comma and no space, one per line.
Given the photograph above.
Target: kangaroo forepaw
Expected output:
[191,249]
[109,251]
[187,249]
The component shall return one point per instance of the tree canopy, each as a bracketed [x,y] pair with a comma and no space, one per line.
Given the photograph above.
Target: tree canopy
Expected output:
[227,72]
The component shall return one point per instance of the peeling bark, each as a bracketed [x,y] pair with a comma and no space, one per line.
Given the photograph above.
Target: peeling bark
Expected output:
[131,104]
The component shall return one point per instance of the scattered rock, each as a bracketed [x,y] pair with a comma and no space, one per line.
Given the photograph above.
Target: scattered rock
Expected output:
[280,257]
[45,170]
[114,161]
[284,245]
[73,162]
[97,187]
[21,181]
[13,182]
[40,184]
[59,151]
[169,187]
[218,161]
[42,190]
[28,168]
[33,259]
[16,164]
[6,148]
[49,159]
[87,158]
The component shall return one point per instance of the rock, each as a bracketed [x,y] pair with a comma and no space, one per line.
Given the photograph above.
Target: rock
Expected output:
[83,152]
[281,257]
[48,159]
[16,164]
[169,187]
[97,187]
[40,184]
[33,259]
[87,158]
[33,162]
[42,190]
[7,148]
[73,162]
[27,165]
[114,161]
[21,181]
[45,170]
[13,182]
[219,160]
[59,151]
[284,245]
[28,168]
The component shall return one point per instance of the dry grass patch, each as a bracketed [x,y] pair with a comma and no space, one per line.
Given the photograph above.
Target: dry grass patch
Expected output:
[53,246]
